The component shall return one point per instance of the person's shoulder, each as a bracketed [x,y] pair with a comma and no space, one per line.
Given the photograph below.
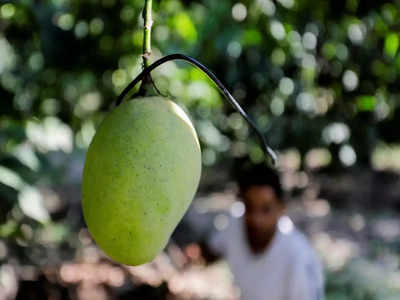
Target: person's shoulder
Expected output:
[295,243]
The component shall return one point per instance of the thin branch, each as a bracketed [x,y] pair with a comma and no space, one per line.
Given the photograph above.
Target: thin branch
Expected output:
[267,150]
[148,23]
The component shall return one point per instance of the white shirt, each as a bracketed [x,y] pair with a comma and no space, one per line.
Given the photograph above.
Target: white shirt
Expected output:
[287,270]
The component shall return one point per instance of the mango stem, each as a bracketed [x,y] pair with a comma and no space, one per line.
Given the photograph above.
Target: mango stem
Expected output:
[148,23]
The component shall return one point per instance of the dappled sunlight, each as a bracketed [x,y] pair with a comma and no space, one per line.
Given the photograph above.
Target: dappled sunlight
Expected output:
[50,135]
[317,207]
[183,116]
[92,273]
[388,229]
[386,157]
[344,250]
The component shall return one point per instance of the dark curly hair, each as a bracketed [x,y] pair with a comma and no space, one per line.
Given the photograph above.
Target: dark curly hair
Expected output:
[248,174]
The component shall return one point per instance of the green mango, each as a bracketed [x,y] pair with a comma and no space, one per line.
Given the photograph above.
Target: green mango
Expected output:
[141,172]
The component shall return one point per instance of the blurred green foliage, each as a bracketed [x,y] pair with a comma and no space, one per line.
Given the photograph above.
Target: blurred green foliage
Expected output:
[298,67]
[316,76]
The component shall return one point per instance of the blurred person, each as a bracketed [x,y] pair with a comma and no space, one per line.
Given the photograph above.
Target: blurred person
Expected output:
[269,258]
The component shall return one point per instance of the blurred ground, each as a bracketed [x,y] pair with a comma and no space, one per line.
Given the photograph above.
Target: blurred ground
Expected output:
[351,218]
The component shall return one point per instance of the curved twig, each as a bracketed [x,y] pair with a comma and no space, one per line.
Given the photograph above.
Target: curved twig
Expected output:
[271,154]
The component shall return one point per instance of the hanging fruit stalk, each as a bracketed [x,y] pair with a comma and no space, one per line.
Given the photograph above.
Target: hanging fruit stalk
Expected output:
[269,153]
[148,23]
[146,51]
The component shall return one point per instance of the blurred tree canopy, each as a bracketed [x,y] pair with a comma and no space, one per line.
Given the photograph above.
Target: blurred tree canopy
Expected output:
[319,77]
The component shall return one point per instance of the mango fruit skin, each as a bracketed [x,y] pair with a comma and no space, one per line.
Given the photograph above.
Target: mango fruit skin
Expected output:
[141,172]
